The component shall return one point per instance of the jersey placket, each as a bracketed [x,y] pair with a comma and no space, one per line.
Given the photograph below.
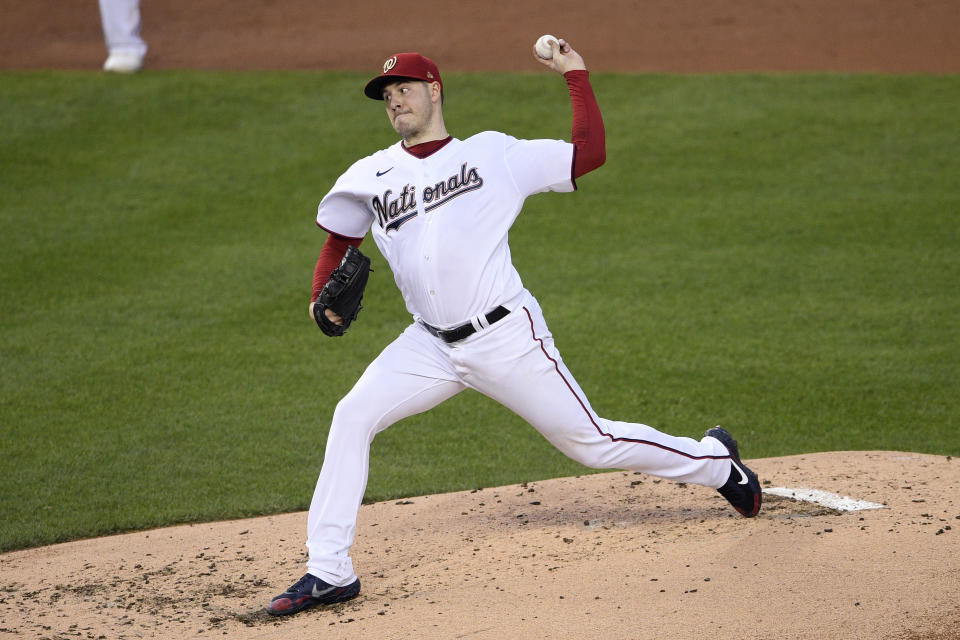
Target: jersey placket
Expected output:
[429,271]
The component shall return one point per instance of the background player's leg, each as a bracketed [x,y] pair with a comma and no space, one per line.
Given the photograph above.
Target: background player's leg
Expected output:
[410,376]
[538,386]
[121,31]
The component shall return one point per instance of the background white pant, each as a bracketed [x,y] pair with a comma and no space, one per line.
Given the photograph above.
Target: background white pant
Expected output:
[515,363]
[121,26]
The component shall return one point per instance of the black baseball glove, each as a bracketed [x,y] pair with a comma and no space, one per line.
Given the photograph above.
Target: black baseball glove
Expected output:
[343,293]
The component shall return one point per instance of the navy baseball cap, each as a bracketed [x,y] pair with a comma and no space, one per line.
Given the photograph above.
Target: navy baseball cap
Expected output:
[402,66]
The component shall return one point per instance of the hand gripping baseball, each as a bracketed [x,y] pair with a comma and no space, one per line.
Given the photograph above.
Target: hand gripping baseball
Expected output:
[343,294]
[564,57]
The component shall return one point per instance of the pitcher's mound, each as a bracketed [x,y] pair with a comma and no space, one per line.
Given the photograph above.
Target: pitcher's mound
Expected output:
[614,555]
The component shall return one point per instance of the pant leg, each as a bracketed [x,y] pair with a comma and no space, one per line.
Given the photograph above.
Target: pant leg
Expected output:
[121,26]
[518,365]
[410,376]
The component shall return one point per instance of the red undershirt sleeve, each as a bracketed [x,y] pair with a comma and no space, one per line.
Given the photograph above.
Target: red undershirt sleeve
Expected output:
[330,256]
[588,136]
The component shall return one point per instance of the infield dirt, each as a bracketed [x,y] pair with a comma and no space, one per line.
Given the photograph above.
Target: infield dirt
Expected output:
[612,35]
[613,556]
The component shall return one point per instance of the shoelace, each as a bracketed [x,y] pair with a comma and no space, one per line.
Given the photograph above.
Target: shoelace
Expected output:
[300,583]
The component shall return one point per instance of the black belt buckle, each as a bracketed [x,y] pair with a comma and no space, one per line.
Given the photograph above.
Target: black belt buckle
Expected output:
[465,330]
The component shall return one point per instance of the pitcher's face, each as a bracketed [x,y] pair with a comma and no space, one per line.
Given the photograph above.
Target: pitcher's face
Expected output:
[410,107]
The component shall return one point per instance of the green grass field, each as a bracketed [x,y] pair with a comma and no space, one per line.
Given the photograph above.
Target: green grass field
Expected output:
[776,253]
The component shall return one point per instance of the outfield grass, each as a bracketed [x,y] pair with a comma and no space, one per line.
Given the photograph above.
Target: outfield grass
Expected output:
[776,253]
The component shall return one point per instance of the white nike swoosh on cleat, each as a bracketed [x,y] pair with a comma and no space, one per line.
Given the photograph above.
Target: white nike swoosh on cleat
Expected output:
[317,594]
[743,476]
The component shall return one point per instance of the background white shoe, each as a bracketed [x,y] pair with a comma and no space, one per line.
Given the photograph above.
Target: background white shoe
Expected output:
[124,62]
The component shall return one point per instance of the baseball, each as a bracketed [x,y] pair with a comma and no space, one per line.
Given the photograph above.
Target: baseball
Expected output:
[543,46]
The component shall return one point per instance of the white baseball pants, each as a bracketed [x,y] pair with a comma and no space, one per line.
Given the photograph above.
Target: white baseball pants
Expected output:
[514,362]
[121,26]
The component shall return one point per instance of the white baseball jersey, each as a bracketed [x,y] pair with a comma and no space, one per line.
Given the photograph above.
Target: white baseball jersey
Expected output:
[442,221]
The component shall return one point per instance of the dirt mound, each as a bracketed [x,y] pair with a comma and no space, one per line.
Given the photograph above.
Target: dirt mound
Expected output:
[614,555]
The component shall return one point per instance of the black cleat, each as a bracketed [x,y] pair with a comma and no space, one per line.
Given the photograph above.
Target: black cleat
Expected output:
[310,591]
[742,488]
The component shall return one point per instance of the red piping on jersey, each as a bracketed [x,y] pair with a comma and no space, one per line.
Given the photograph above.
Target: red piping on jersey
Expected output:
[590,416]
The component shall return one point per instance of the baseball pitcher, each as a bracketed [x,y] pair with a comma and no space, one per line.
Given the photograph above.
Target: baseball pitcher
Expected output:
[439,209]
